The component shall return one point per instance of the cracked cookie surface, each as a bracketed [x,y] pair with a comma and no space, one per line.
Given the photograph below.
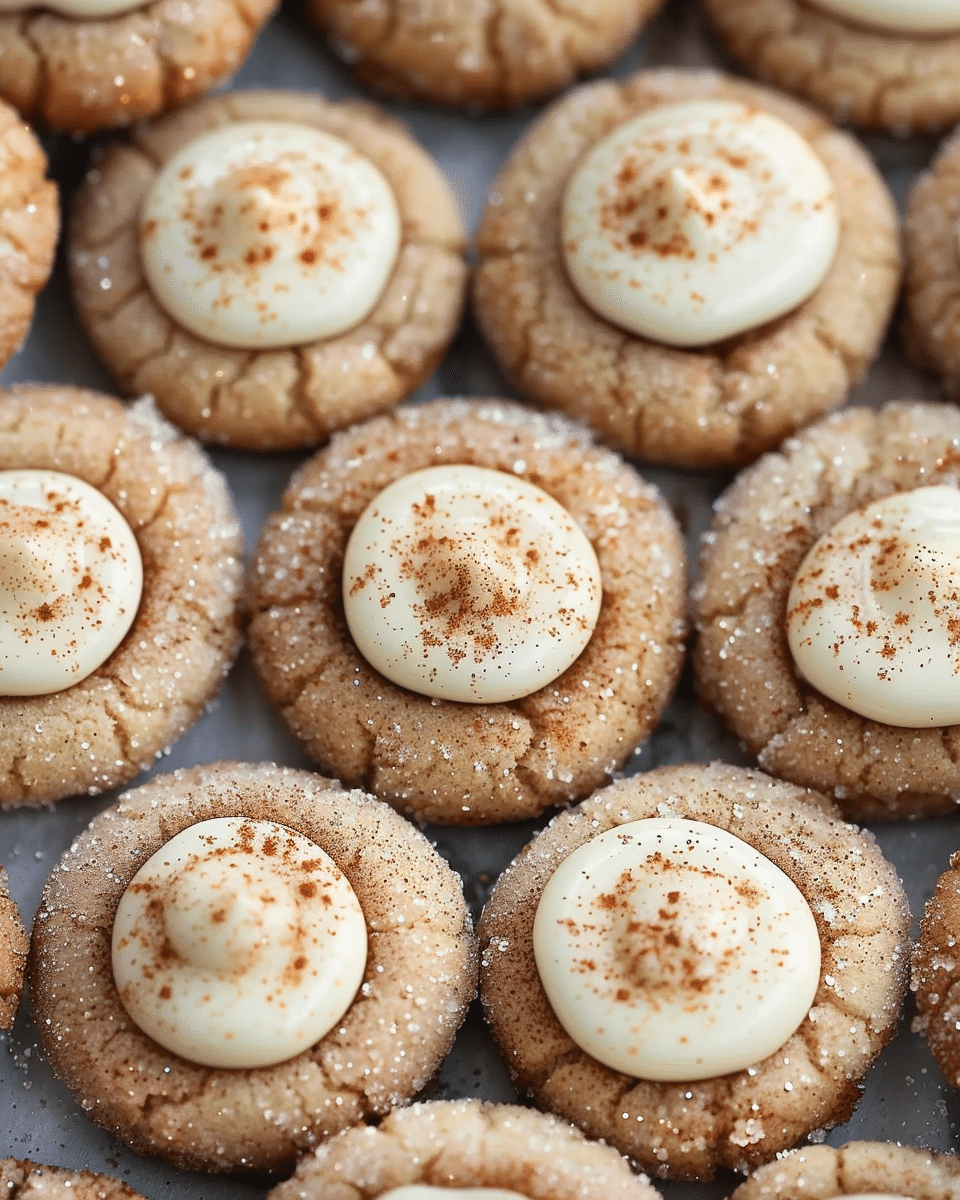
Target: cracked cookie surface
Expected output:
[870,78]
[420,976]
[720,405]
[465,1144]
[689,1130]
[13,955]
[936,973]
[440,760]
[21,1179]
[101,732]
[292,396]
[82,75]
[765,523]
[479,53]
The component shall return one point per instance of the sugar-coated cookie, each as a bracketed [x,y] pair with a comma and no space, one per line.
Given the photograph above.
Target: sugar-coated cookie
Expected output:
[465,1144]
[441,759]
[13,955]
[83,65]
[831,54]
[936,973]
[855,1169]
[470,55]
[419,974]
[877,626]
[264,222]
[679,1120]
[73,738]
[21,1179]
[628,212]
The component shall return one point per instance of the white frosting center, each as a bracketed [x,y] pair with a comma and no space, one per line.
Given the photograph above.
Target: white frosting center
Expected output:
[468,584]
[267,234]
[873,616]
[697,221]
[899,16]
[426,1191]
[74,8]
[238,944]
[672,950]
[71,577]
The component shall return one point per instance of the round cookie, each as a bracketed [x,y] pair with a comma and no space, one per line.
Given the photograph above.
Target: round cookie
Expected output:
[717,405]
[100,732]
[688,1130]
[420,976]
[465,1144]
[288,396]
[855,1169]
[440,760]
[765,524]
[467,55]
[29,224]
[13,955]
[79,74]
[936,973]
[21,1179]
[866,76]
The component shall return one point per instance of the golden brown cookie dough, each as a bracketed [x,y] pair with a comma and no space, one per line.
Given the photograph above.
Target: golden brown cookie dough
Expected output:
[29,224]
[13,955]
[268,399]
[936,973]
[703,407]
[474,53]
[689,1130]
[765,524]
[439,760]
[465,1144]
[101,732]
[420,976]
[858,1168]
[863,76]
[21,1179]
[79,75]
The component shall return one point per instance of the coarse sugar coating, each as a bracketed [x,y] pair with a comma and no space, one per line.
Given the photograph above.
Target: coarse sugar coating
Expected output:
[738,1120]
[420,976]
[21,1179]
[440,760]
[857,1168]
[872,78]
[465,1144]
[936,973]
[13,954]
[719,405]
[99,733]
[268,399]
[473,54]
[82,74]
[765,524]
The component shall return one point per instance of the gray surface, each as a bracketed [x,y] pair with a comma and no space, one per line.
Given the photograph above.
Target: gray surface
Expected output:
[905,1097]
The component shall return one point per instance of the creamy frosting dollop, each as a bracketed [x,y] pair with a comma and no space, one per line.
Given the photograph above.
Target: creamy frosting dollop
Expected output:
[873,615]
[698,220]
[425,1191]
[670,949]
[898,16]
[74,8]
[464,583]
[71,578]
[238,944]
[265,234]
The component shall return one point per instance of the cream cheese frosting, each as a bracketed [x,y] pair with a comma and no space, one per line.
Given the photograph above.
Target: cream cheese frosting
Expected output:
[75,8]
[698,220]
[899,16]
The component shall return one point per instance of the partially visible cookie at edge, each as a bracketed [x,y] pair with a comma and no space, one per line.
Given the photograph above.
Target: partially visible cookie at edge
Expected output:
[22,1179]
[13,954]
[936,973]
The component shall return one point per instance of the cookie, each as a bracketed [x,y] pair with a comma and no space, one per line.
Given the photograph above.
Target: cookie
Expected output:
[855,1169]
[83,65]
[465,1144]
[21,1179]
[485,760]
[247,371]
[902,763]
[419,974]
[13,955]
[29,224]
[468,55]
[889,79]
[684,1119]
[936,979]
[569,199]
[85,733]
